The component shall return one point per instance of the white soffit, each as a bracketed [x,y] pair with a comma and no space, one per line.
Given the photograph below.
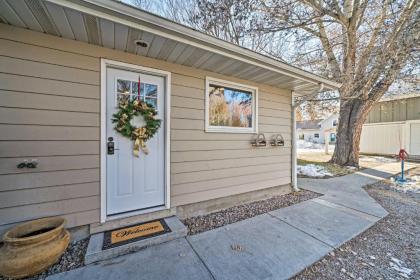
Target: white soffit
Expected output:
[115,25]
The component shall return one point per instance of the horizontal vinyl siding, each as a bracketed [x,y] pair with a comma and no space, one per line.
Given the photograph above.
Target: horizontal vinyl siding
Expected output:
[228,154]
[47,117]
[208,175]
[209,165]
[32,211]
[51,163]
[47,148]
[212,165]
[231,190]
[73,219]
[29,84]
[50,110]
[25,67]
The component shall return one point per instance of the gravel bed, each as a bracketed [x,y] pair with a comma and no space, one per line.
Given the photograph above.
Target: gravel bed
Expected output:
[72,258]
[388,250]
[237,213]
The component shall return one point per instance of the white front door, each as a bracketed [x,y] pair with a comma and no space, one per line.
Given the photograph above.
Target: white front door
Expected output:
[134,183]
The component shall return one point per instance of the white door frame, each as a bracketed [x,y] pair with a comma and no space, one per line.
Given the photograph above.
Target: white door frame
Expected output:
[103,149]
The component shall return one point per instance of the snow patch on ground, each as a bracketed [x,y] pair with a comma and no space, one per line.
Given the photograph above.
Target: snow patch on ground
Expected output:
[301,144]
[305,147]
[397,265]
[412,184]
[313,170]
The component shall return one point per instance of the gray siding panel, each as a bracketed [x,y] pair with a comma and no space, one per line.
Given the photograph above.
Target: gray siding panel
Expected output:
[400,111]
[386,112]
[395,110]
[413,109]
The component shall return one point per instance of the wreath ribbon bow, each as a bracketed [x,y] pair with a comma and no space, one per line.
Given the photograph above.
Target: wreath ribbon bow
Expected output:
[139,134]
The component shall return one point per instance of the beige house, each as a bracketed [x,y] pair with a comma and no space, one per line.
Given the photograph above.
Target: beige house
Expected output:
[65,64]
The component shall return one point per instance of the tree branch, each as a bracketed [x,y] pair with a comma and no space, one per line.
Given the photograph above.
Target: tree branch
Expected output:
[367,52]
[332,60]
[317,6]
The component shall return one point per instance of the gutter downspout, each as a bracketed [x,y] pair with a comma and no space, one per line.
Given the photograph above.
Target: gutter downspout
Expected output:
[294,136]
[294,144]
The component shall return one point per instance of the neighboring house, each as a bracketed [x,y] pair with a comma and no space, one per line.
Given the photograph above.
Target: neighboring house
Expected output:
[392,124]
[65,65]
[317,130]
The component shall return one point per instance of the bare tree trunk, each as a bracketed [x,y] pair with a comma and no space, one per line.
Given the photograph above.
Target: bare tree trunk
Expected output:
[353,114]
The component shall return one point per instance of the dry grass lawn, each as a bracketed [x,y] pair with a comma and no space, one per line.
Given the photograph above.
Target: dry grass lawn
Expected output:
[320,158]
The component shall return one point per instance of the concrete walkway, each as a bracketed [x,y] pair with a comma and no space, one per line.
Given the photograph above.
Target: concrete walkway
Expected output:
[276,245]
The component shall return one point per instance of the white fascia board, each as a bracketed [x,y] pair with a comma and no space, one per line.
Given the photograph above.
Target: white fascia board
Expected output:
[127,15]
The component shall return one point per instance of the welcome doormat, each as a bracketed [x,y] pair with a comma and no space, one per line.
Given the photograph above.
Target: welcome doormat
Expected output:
[122,236]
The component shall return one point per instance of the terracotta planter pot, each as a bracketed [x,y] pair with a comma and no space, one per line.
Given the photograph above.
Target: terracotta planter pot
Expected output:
[32,247]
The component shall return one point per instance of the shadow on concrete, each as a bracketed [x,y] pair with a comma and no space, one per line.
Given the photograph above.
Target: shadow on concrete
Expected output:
[376,173]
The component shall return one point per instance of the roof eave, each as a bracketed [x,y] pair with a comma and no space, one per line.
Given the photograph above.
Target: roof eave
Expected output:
[133,17]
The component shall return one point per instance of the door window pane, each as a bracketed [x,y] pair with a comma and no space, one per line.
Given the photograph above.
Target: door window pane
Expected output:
[151,90]
[150,94]
[123,86]
[123,90]
[129,90]
[135,91]
[151,102]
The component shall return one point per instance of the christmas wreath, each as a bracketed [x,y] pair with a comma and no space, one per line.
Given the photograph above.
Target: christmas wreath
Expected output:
[122,118]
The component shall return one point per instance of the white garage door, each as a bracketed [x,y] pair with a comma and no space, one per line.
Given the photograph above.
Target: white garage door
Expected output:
[415,139]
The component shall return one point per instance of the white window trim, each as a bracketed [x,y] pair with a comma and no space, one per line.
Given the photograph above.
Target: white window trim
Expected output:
[224,129]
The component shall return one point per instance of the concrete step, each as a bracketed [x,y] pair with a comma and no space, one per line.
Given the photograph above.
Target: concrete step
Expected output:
[94,252]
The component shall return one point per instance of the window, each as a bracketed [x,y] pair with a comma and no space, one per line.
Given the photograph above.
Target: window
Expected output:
[335,122]
[332,137]
[230,107]
[316,135]
[129,90]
